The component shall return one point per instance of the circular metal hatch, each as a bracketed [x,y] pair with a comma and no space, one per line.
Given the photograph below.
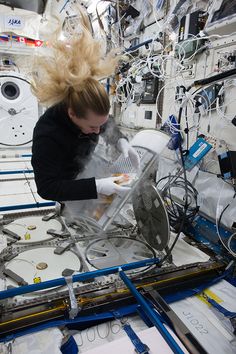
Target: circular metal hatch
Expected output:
[151,216]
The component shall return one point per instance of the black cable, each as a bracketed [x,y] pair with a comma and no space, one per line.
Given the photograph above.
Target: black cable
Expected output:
[174,209]
[215,78]
[27,142]
[186,130]
[16,77]
[217,175]
[168,253]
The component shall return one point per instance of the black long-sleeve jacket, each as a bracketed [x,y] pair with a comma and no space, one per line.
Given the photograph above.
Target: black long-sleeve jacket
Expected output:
[60,151]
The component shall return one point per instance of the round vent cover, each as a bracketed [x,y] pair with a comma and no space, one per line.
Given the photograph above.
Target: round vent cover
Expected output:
[10,90]
[151,216]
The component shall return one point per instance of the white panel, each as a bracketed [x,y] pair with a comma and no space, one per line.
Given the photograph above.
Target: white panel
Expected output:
[151,139]
[28,264]
[146,123]
[14,188]
[31,21]
[15,165]
[19,112]
[19,200]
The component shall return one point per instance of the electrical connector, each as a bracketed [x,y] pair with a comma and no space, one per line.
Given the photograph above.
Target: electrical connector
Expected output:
[227,161]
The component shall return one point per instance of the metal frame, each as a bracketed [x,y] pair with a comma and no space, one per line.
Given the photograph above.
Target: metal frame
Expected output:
[118,203]
[15,172]
[27,206]
[76,278]
[152,315]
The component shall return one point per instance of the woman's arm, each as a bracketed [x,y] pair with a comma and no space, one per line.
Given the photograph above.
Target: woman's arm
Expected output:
[47,161]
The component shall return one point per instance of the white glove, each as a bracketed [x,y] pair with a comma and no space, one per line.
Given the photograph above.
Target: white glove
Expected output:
[107,186]
[128,151]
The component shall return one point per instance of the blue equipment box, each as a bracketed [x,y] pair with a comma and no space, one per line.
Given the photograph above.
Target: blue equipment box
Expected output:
[197,151]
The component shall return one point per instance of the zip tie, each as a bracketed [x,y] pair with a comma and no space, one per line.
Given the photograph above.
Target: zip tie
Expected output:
[188,95]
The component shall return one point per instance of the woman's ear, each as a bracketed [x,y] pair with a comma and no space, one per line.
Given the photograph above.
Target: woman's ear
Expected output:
[71,113]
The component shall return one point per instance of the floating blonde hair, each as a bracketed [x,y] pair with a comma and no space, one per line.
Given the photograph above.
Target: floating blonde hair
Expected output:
[71,74]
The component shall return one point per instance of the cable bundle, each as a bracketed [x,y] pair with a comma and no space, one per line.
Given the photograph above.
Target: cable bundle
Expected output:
[174,196]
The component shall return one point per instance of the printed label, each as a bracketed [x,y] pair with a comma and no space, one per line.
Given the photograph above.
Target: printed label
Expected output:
[14,22]
[199,150]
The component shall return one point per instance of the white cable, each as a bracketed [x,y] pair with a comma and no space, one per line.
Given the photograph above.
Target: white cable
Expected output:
[173,128]
[219,108]
[160,61]
[208,104]
[157,99]
[218,211]
[229,242]
[181,51]
[154,15]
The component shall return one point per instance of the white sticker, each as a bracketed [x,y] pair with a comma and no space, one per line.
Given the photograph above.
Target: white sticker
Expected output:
[158,239]
[199,150]
[156,203]
[14,22]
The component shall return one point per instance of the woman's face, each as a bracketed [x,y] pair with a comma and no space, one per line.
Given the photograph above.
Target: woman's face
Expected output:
[89,125]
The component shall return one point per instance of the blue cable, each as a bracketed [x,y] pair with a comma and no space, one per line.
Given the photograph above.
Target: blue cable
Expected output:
[140,347]
[138,45]
[70,347]
[63,7]
[220,308]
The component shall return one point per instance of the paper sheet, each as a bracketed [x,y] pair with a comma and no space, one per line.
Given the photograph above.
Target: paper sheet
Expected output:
[151,337]
[204,322]
[183,253]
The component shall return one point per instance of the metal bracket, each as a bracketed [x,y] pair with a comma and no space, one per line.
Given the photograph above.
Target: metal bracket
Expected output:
[11,234]
[74,308]
[19,280]
[186,337]
[49,216]
[56,233]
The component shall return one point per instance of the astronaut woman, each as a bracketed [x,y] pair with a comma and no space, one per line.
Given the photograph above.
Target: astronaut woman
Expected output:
[67,133]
